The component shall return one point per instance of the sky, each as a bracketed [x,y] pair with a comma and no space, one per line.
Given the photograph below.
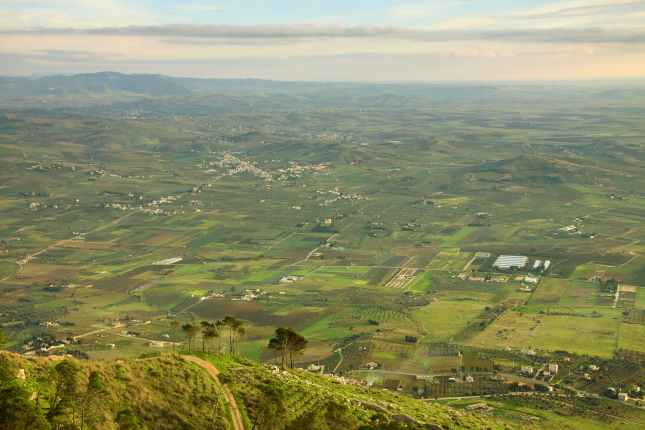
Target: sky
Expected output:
[328,40]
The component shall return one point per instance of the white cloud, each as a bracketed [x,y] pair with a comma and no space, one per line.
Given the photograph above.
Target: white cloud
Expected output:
[570,38]
[570,14]
[73,13]
[254,34]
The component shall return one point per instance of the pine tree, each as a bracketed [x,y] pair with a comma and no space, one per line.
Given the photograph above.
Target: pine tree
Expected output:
[191,331]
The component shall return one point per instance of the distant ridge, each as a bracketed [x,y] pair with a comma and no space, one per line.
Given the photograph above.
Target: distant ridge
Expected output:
[93,83]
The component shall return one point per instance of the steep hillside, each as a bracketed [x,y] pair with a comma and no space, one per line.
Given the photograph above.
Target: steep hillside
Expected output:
[170,392]
[159,393]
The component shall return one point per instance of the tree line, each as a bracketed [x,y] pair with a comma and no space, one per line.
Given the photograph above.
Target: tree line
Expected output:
[227,331]
[286,343]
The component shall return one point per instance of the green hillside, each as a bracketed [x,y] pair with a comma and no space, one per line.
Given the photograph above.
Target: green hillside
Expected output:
[223,392]
[169,392]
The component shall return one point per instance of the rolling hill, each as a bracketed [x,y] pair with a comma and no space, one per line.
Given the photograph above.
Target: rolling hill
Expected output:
[171,392]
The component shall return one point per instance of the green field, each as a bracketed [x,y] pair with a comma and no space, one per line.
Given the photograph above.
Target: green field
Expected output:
[591,334]
[310,210]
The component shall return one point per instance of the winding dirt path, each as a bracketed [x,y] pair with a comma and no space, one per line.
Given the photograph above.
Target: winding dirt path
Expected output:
[214,373]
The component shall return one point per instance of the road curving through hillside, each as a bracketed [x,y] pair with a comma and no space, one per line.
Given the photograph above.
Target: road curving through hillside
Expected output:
[236,417]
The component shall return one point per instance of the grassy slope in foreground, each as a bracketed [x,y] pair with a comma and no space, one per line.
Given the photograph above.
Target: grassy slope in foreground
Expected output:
[296,399]
[170,393]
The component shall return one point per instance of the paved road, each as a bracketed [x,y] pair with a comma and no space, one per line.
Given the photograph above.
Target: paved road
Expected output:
[214,373]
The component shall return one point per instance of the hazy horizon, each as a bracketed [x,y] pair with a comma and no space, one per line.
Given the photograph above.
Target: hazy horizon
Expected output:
[365,41]
[555,82]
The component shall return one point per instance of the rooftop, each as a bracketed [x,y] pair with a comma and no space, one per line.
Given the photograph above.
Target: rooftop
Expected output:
[511,261]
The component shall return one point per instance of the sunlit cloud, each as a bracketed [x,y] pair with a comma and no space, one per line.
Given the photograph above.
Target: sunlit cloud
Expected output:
[550,36]
[308,32]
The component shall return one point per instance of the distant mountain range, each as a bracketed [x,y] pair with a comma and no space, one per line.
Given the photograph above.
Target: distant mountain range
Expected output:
[113,93]
[135,84]
[159,85]
[93,83]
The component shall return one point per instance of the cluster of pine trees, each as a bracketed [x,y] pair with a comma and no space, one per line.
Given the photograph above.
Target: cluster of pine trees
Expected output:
[287,343]
[229,329]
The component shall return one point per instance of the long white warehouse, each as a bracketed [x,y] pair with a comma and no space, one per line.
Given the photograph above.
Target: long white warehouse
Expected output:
[506,262]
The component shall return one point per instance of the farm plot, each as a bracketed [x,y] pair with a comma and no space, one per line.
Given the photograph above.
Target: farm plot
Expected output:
[640,298]
[444,319]
[402,279]
[631,270]
[562,292]
[631,337]
[384,271]
[380,314]
[450,259]
[330,277]
[327,328]
[421,283]
[592,333]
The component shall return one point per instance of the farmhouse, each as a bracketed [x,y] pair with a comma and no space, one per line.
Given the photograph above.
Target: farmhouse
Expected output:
[554,368]
[316,368]
[371,365]
[156,344]
[531,279]
[508,262]
[168,261]
[569,229]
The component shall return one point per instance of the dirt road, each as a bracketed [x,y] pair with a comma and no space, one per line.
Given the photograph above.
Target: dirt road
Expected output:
[214,373]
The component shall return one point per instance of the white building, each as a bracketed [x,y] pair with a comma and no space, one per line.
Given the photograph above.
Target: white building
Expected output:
[506,262]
